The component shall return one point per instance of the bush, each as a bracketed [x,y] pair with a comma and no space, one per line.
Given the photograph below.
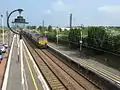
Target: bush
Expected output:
[74,37]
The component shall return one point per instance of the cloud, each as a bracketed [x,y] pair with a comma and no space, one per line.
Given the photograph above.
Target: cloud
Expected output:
[59,5]
[110,9]
[48,11]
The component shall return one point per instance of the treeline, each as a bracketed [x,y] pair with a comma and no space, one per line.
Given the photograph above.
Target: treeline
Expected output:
[98,38]
[95,37]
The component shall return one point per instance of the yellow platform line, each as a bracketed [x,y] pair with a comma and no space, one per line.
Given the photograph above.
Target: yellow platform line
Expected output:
[31,73]
[109,74]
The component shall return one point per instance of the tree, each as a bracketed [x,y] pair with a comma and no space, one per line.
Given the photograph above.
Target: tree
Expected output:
[31,27]
[39,28]
[74,37]
[28,27]
[116,44]
[98,38]
[60,29]
[49,28]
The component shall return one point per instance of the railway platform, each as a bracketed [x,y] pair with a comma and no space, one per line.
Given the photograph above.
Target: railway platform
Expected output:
[106,72]
[21,71]
[12,79]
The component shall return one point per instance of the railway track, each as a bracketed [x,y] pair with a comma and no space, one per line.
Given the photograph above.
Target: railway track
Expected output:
[57,74]
[53,82]
[88,85]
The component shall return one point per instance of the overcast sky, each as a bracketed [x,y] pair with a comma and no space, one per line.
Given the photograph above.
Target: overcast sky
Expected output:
[56,12]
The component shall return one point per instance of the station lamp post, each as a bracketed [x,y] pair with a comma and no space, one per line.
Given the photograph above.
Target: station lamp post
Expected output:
[81,36]
[19,24]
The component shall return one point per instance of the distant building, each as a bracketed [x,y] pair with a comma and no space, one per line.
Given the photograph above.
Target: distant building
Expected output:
[67,28]
[54,27]
[62,28]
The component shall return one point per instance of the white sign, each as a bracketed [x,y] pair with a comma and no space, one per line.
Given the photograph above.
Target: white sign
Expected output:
[81,42]
[46,32]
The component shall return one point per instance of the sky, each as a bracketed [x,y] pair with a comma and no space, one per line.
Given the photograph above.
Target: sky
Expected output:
[56,12]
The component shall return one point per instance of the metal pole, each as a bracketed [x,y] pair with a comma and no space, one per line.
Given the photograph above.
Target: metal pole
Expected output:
[81,38]
[2,27]
[70,25]
[43,23]
[43,27]
[9,37]
[81,41]
[57,35]
[70,20]
[20,34]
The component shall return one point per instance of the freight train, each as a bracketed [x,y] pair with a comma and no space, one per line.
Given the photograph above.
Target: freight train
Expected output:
[39,40]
